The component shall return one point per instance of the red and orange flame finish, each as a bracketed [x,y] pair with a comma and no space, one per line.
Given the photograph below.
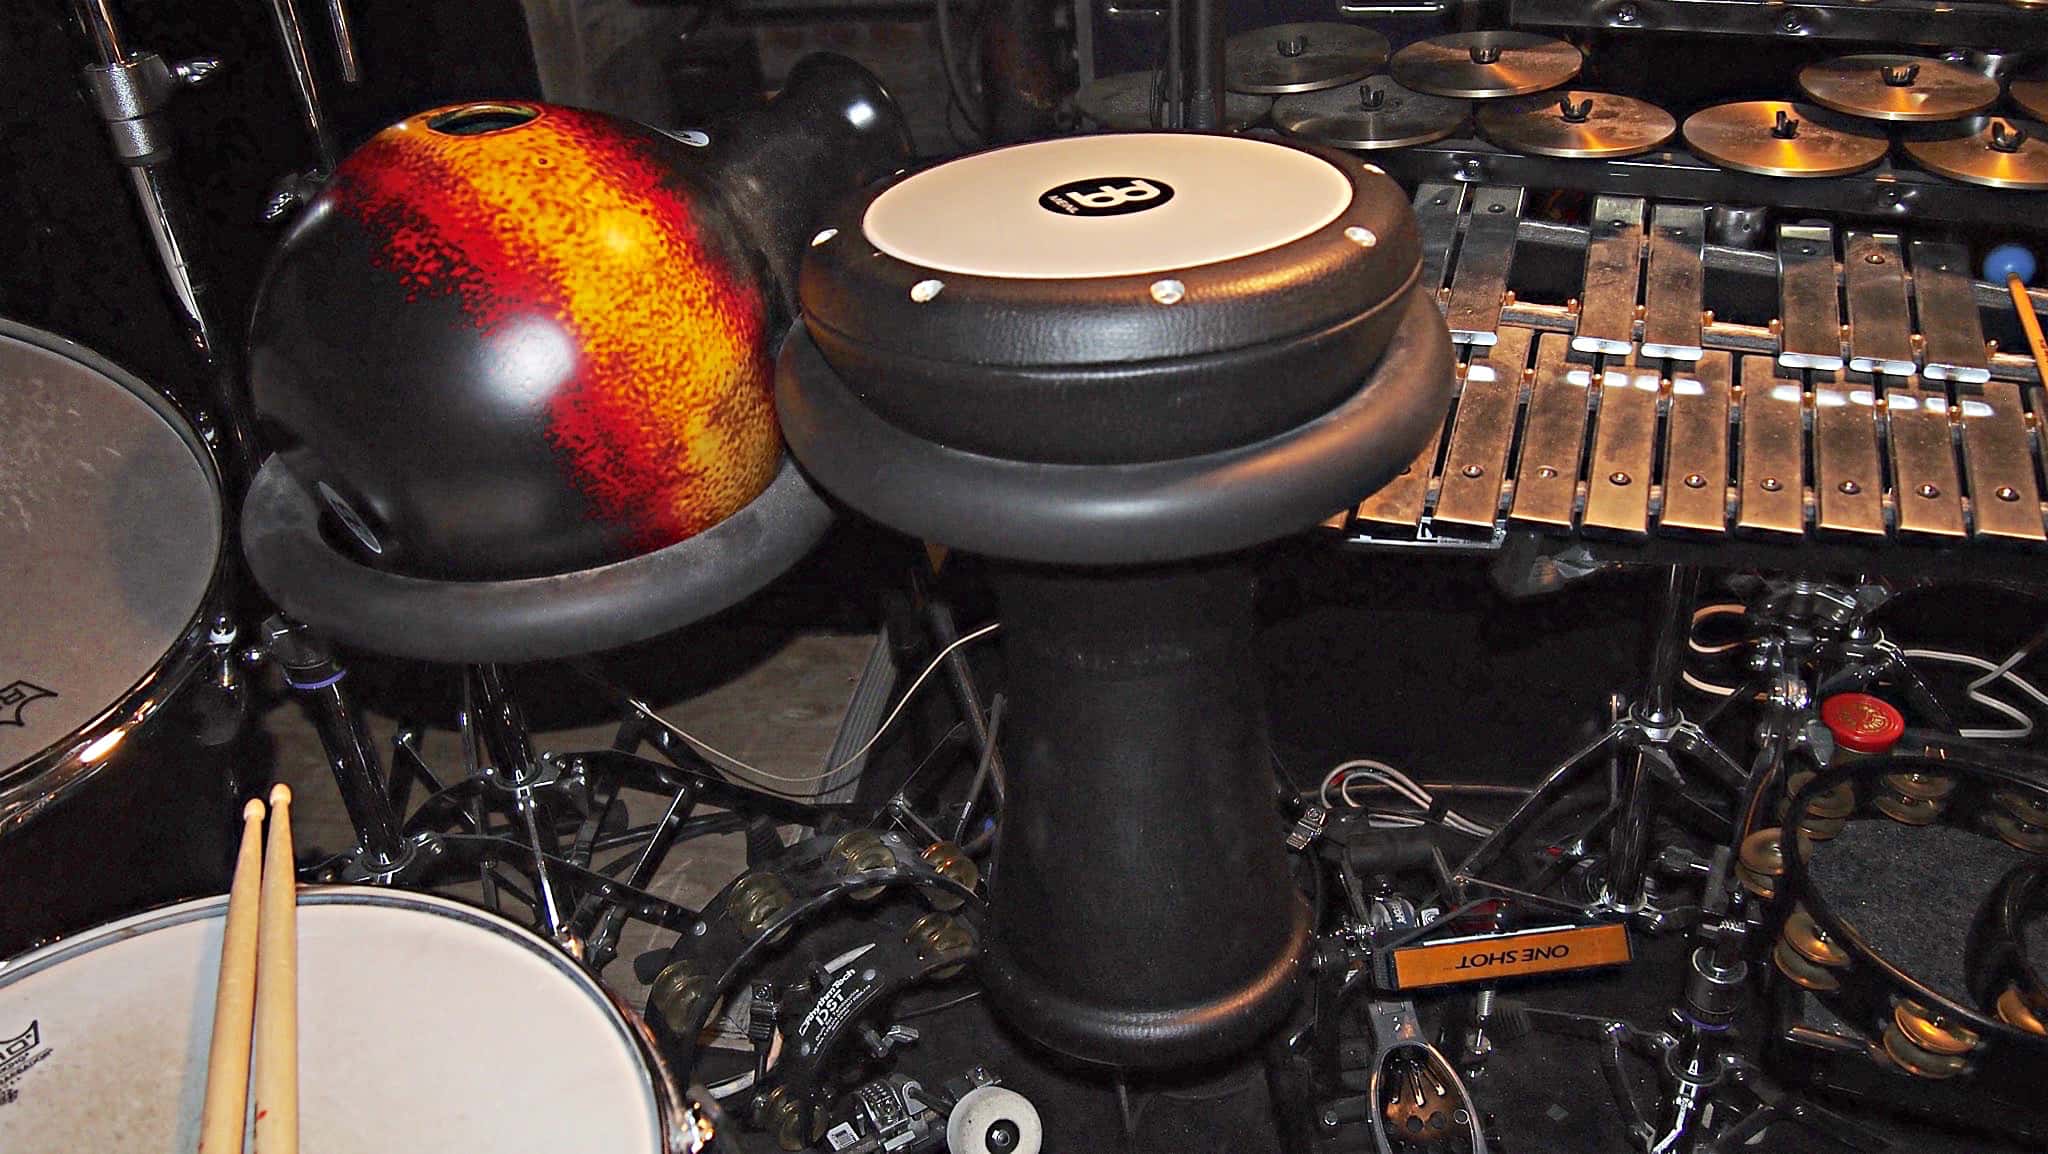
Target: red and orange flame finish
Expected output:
[666,420]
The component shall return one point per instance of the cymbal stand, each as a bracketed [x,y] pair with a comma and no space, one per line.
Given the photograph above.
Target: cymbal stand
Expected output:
[1649,740]
[129,88]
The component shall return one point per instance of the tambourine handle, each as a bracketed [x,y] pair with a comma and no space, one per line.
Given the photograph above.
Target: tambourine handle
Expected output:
[832,129]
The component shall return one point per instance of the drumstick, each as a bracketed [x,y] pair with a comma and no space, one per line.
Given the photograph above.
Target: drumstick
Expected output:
[226,1112]
[277,989]
[2024,305]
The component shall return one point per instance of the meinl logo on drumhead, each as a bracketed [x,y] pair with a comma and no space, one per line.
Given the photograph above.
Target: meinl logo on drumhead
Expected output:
[1105,196]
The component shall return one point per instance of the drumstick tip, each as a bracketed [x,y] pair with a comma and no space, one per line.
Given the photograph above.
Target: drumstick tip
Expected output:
[253,811]
[280,795]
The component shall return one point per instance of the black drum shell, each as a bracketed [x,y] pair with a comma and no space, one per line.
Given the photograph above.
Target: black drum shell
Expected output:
[1098,371]
[153,824]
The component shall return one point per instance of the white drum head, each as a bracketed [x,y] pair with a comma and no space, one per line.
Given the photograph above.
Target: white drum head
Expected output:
[109,536]
[1128,204]
[423,1025]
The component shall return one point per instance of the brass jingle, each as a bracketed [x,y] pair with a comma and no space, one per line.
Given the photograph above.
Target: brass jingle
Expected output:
[1930,786]
[2014,1010]
[2024,806]
[1762,853]
[1821,828]
[1754,882]
[1803,934]
[1837,802]
[1919,1062]
[1932,1032]
[1803,973]
[862,851]
[950,862]
[939,936]
[756,900]
[679,992]
[1909,810]
[794,1124]
[2019,834]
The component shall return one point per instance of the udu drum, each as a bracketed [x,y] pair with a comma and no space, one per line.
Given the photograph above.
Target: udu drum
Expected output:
[423,1025]
[110,552]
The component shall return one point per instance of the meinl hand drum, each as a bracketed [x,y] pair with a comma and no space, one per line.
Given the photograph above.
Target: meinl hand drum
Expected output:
[1117,364]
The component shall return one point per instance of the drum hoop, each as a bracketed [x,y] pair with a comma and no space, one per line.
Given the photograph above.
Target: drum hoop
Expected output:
[46,778]
[662,1095]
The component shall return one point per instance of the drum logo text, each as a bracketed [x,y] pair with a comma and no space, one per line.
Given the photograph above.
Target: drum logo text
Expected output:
[17,1056]
[1105,196]
[14,696]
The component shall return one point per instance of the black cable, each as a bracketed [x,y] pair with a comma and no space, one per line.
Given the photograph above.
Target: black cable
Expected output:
[935,1007]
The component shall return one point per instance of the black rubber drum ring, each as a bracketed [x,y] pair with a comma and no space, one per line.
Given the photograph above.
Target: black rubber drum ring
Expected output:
[1121,514]
[530,619]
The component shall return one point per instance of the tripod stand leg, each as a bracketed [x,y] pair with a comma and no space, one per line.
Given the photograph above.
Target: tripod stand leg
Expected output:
[500,729]
[1563,777]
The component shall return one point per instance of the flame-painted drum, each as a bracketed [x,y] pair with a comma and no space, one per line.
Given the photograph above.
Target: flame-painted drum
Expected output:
[510,340]
[110,547]
[423,1025]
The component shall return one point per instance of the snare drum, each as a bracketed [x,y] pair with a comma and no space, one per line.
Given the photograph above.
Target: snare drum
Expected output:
[423,1025]
[110,554]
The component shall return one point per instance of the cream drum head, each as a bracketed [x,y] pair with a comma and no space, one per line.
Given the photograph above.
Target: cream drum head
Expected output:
[423,1025]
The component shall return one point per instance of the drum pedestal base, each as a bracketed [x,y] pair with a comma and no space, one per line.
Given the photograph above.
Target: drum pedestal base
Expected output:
[1141,912]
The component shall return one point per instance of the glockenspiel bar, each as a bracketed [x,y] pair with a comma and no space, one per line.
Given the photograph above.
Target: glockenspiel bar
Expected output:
[1482,431]
[1696,447]
[1674,287]
[1770,496]
[1479,282]
[1809,315]
[1848,485]
[1437,206]
[1926,496]
[1949,323]
[2004,501]
[1614,254]
[1402,501]
[1553,432]
[1880,316]
[1624,448]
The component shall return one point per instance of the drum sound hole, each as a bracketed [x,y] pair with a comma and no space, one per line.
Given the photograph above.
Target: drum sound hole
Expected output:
[478,119]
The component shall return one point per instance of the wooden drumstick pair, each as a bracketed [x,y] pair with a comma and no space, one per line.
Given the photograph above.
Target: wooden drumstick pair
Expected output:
[256,1005]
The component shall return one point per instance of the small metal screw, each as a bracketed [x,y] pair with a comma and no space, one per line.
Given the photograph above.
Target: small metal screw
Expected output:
[2008,493]
[1546,472]
[1771,484]
[823,236]
[1472,470]
[1496,208]
[1695,481]
[1618,478]
[925,290]
[1928,491]
[1850,487]
[1627,14]
[1168,292]
[1873,258]
[1362,237]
